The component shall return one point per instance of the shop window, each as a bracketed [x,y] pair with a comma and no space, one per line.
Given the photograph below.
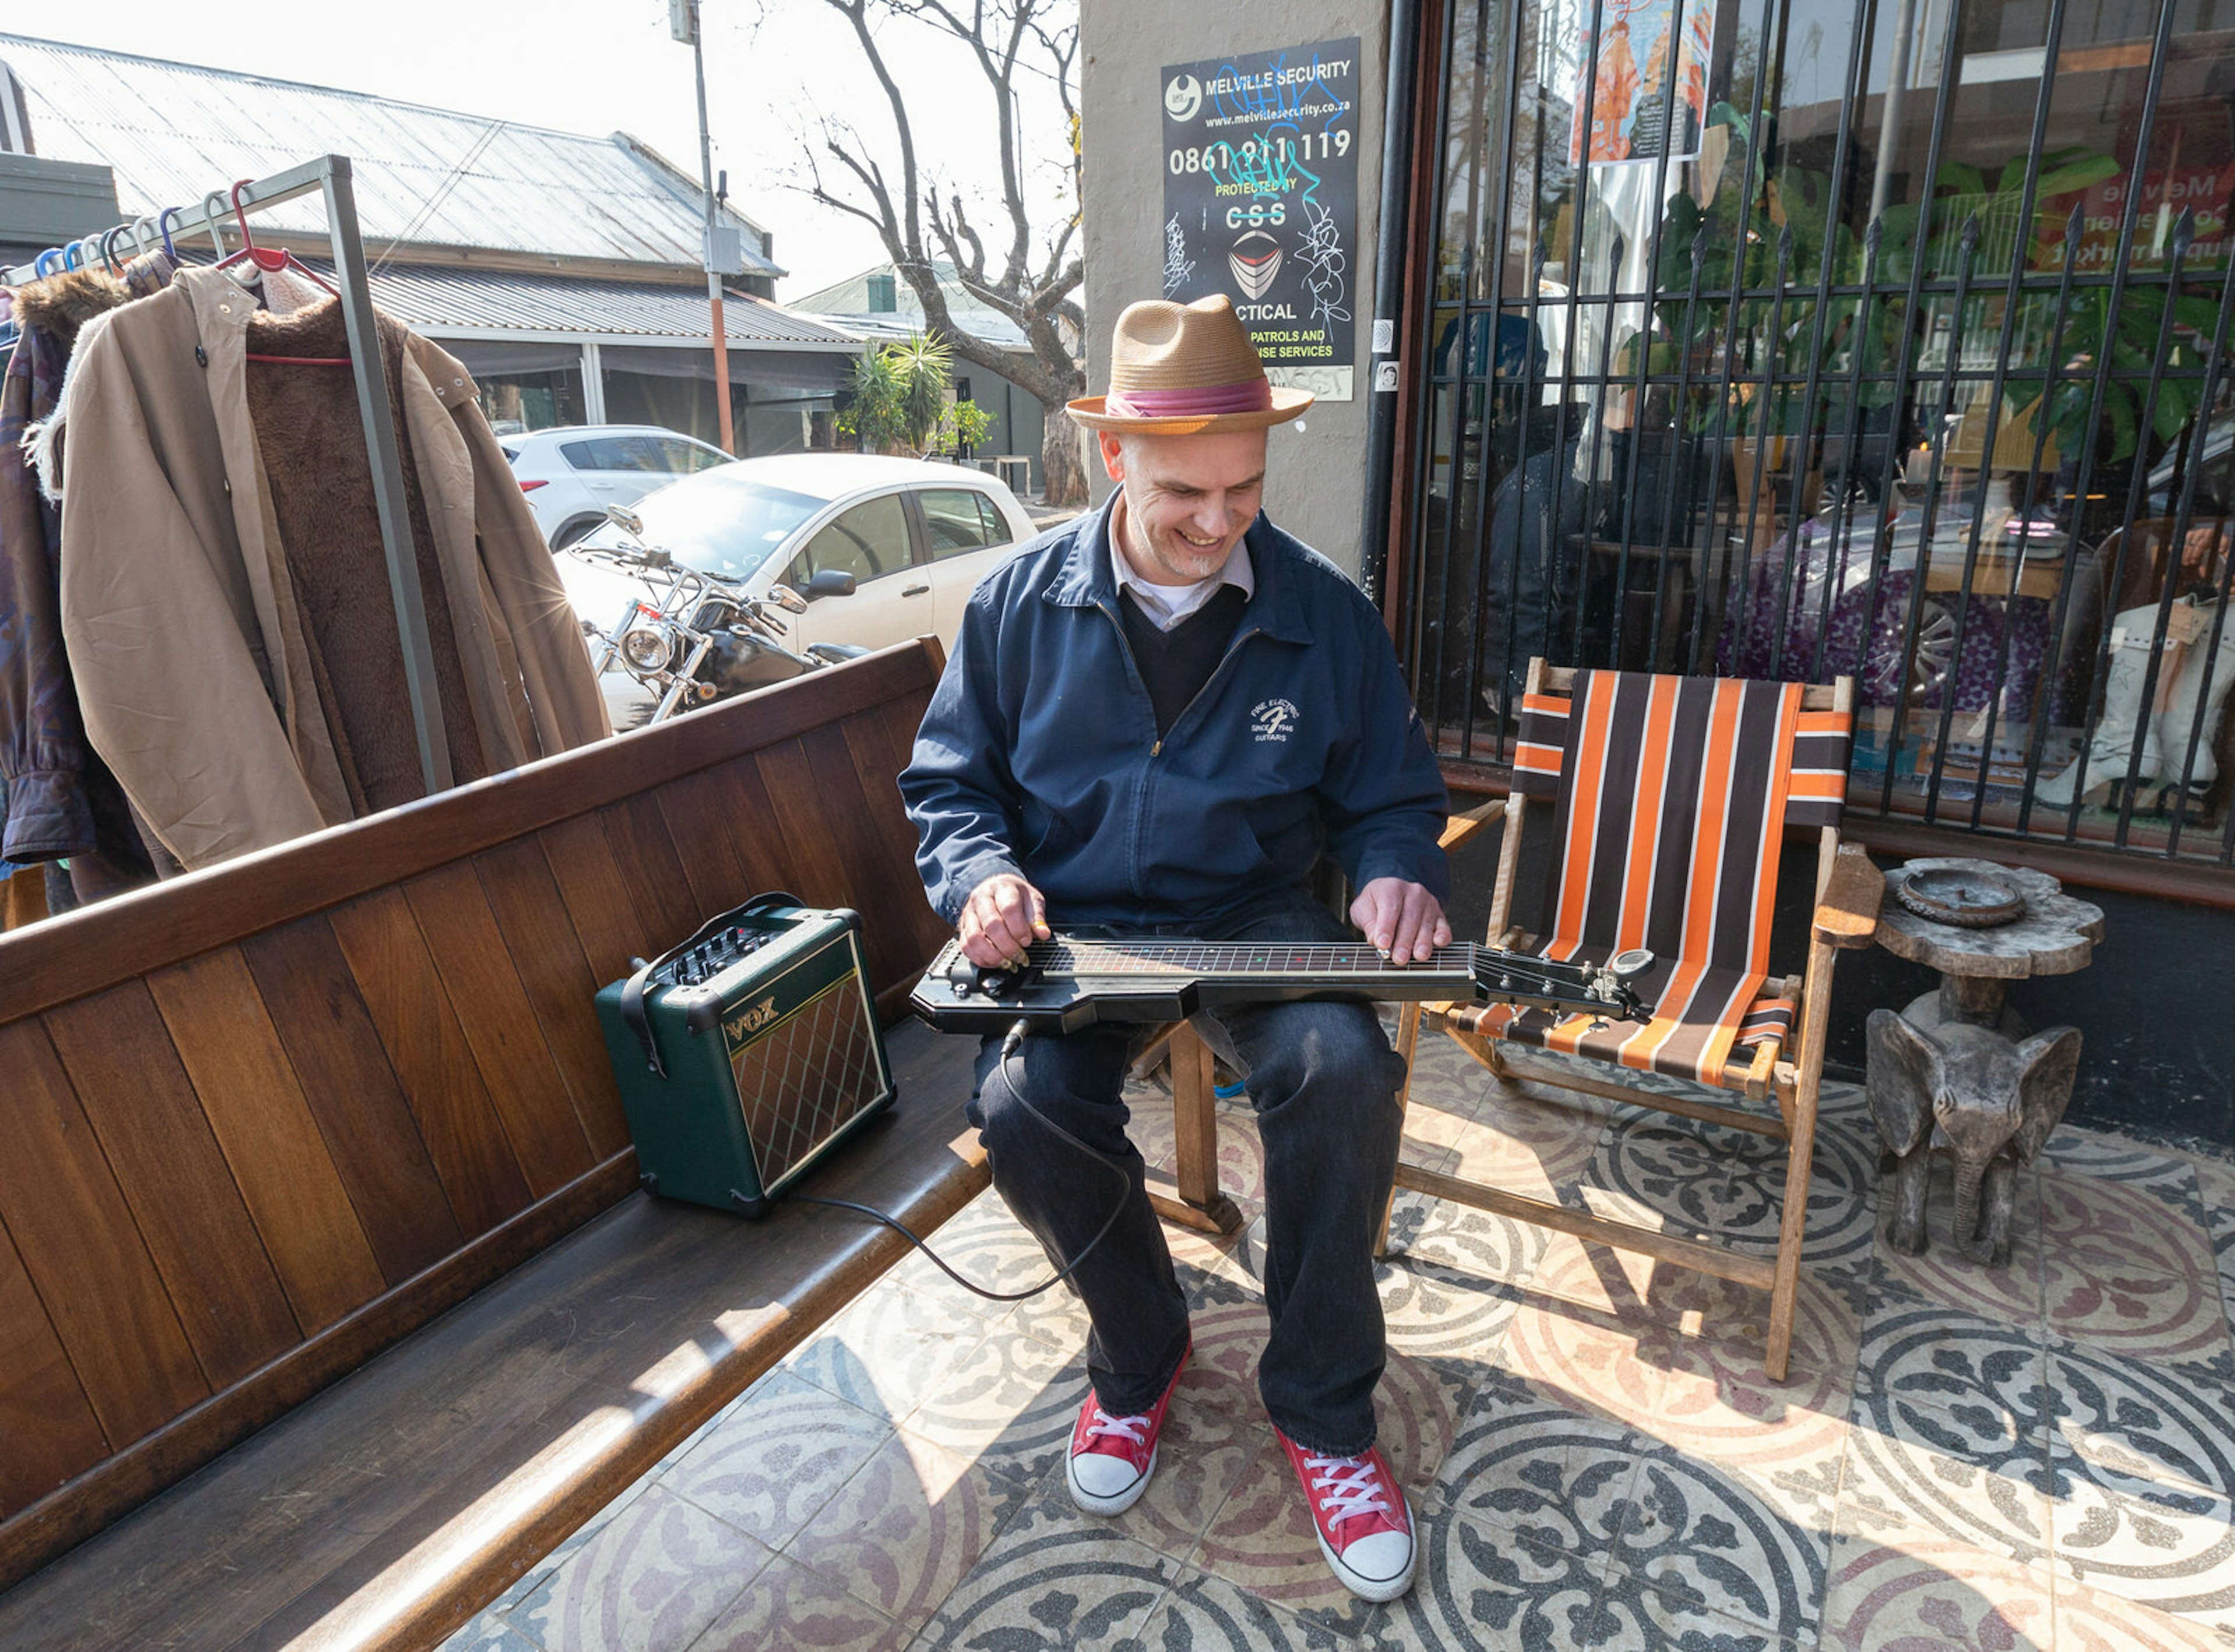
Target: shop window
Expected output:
[1760,361]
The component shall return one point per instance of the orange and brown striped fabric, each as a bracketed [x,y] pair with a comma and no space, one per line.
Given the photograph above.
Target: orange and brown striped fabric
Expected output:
[1671,796]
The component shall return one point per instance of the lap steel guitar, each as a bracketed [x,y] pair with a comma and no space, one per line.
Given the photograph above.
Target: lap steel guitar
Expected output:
[1071,982]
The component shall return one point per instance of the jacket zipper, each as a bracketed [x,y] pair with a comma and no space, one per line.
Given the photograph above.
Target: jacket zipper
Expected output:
[1208,683]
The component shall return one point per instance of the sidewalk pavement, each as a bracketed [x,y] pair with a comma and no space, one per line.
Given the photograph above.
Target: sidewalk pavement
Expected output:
[2037,1458]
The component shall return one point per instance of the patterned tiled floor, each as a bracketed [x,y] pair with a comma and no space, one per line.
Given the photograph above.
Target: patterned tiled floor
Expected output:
[2041,1457]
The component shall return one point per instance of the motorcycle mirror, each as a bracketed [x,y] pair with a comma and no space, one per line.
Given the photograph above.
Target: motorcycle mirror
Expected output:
[626,519]
[787,599]
[828,582]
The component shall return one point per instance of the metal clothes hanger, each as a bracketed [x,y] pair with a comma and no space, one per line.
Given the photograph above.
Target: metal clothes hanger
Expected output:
[271,259]
[163,228]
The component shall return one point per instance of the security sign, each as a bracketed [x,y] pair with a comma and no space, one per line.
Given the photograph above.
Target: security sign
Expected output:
[1260,202]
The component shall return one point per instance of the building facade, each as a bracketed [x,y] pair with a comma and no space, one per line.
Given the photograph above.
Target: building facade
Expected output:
[565,270]
[1799,339]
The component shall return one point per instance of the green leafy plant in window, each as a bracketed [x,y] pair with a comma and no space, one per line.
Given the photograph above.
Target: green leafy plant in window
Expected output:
[898,395]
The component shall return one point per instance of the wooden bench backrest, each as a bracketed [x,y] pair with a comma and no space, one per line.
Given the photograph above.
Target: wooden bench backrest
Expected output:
[261,1122]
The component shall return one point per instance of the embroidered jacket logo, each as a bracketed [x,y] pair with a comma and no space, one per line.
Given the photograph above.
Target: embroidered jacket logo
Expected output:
[740,1026]
[1272,720]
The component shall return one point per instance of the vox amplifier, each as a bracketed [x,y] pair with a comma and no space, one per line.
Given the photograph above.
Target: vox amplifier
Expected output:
[746,1053]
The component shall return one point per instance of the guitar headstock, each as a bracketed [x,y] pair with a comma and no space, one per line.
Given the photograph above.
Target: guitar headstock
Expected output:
[1604,990]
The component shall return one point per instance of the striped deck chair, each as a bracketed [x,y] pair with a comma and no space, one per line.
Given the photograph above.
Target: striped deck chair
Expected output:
[1671,798]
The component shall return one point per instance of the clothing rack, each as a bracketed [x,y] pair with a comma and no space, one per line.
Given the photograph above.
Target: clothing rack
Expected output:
[330,175]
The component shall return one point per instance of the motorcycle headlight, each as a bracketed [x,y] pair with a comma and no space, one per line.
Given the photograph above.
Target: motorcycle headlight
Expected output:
[647,648]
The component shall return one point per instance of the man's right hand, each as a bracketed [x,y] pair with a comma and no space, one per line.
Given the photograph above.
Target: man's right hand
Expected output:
[1003,917]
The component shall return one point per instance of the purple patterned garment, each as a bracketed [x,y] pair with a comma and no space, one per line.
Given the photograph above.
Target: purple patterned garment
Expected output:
[1861,632]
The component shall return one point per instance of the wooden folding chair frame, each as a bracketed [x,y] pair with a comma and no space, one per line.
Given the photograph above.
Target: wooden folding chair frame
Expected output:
[1848,892]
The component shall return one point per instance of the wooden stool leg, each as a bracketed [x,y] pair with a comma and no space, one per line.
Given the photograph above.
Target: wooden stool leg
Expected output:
[1408,1040]
[1785,1292]
[1195,1122]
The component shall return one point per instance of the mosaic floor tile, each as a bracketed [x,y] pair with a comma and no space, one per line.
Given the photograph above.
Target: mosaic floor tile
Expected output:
[1922,1356]
[651,1580]
[790,1607]
[776,1459]
[2166,1427]
[1841,1224]
[1635,1616]
[488,1633]
[1055,1581]
[1971,1475]
[1526,1464]
[1208,1614]
[2142,1465]
[900,1534]
[2156,1223]
[2100,1157]
[1933,1596]
[1009,1403]
[1483,1589]
[2165,1318]
[1713,1542]
[1434,1312]
[2089,1621]
[890,1348]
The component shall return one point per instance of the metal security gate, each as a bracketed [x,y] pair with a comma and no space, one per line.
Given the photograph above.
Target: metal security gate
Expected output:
[1888,338]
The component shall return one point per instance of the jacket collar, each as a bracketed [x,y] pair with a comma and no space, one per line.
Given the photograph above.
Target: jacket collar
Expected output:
[1085,577]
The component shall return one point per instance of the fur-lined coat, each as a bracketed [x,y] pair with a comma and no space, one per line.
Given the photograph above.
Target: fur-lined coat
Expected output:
[193,628]
[62,801]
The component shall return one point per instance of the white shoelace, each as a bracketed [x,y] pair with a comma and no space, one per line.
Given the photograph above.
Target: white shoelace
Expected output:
[1131,1429]
[1353,1486]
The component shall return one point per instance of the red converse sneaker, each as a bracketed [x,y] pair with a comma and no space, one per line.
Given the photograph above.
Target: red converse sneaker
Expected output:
[1111,1458]
[1364,1524]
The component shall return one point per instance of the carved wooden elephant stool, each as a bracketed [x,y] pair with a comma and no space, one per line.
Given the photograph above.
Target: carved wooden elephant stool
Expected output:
[1959,1069]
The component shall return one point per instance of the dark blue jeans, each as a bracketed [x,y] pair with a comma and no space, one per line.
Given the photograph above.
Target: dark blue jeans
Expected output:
[1324,1082]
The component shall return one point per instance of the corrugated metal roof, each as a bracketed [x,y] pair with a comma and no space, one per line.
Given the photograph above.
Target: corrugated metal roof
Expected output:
[452,302]
[171,131]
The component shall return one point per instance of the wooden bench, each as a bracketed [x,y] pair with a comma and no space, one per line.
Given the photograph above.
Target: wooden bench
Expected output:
[392,1507]
[263,1122]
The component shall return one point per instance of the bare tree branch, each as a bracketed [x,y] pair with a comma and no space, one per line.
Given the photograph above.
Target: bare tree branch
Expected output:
[1004,38]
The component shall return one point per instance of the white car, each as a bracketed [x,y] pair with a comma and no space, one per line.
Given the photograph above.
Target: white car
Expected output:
[916,538]
[571,474]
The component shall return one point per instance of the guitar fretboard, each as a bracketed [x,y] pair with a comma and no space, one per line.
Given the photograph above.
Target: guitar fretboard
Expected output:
[1196,959]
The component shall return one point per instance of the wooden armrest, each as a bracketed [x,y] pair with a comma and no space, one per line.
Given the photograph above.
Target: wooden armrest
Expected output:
[1848,913]
[1460,827]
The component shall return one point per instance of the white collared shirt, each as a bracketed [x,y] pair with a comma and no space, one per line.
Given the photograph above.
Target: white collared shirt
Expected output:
[1167,605]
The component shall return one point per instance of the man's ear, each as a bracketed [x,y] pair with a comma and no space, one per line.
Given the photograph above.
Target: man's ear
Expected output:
[1113,453]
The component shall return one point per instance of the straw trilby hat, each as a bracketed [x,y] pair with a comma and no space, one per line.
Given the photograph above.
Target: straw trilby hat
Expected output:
[1177,369]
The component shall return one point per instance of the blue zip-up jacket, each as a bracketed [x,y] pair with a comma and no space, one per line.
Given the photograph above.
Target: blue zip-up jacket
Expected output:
[1039,754]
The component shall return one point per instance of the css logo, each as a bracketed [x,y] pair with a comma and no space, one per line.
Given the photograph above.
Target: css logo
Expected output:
[1183,97]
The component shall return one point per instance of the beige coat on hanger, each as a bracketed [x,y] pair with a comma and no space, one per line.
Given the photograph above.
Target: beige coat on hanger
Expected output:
[182,627]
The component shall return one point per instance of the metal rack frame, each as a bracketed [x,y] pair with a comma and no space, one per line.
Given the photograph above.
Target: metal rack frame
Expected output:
[330,175]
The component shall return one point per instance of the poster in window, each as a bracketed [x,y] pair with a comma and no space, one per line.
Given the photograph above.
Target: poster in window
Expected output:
[1260,202]
[1622,90]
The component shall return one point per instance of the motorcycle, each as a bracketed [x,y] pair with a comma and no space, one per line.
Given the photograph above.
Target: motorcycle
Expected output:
[699,637]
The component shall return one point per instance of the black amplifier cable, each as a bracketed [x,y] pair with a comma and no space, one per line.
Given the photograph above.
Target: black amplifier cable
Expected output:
[1010,1043]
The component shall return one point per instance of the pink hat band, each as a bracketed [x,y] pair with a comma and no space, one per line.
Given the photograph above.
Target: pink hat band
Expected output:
[1200,401]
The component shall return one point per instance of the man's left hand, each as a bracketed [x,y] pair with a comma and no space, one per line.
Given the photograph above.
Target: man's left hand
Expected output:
[1401,919]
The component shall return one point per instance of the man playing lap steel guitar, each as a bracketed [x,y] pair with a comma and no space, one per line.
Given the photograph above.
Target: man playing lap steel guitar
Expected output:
[1156,719]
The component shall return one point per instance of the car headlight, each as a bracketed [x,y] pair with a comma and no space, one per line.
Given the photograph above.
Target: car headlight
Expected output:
[648,648]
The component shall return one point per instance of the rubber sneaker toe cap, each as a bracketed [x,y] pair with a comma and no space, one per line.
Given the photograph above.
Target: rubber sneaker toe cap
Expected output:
[1377,1567]
[1102,1484]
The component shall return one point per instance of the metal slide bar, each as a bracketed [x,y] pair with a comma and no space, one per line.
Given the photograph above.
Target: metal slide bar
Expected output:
[331,176]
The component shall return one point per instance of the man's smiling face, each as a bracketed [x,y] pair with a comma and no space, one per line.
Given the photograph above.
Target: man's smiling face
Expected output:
[1189,499]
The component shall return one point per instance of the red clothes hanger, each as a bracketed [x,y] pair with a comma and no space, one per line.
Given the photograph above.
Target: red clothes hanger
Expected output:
[271,260]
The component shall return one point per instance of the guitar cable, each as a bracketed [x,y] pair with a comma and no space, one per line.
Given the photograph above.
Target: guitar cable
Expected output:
[1010,1044]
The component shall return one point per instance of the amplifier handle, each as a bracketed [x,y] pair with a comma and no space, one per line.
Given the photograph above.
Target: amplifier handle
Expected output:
[632,994]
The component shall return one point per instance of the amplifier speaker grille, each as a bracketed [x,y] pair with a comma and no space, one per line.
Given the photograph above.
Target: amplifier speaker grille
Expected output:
[808,1075]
